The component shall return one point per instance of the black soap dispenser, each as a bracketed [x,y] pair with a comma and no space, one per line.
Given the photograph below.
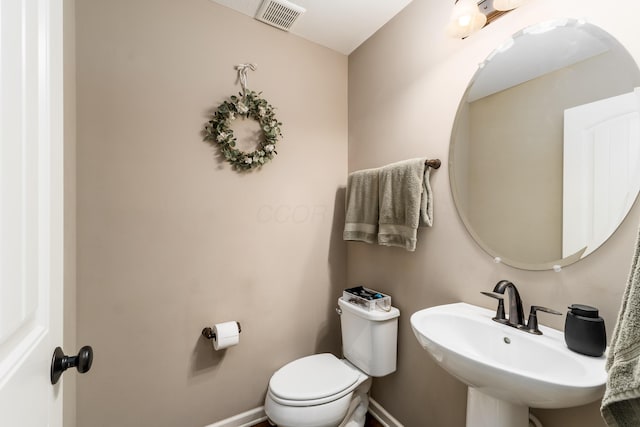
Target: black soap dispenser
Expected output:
[584,330]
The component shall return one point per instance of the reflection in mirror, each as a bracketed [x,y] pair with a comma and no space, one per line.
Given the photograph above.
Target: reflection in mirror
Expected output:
[545,150]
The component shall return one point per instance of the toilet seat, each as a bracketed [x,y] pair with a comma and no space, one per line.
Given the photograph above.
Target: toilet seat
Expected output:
[314,380]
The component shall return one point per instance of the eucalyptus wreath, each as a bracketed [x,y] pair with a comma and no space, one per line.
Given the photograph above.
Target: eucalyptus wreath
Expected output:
[248,105]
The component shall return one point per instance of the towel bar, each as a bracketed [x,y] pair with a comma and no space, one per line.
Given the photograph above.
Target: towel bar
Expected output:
[435,163]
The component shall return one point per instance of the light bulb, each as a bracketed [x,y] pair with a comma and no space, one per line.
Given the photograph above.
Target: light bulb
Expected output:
[466,18]
[464,21]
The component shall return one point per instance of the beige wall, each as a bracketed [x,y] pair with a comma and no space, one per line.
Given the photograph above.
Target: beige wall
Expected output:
[170,239]
[405,84]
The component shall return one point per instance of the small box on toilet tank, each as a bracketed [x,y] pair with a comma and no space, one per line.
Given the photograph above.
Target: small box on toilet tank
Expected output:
[367,298]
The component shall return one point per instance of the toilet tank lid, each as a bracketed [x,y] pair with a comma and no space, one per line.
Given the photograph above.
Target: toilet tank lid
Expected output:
[312,377]
[375,315]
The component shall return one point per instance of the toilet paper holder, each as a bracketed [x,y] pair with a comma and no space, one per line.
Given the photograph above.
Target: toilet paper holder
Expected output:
[210,335]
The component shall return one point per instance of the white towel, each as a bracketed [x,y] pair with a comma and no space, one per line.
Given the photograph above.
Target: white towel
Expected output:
[621,402]
[406,202]
[361,218]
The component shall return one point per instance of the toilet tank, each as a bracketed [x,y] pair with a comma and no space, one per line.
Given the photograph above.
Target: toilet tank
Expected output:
[369,338]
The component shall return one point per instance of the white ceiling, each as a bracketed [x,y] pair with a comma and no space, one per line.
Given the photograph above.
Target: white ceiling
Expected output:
[341,25]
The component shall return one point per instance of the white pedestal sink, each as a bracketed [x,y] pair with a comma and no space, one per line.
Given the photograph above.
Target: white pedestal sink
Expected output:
[507,370]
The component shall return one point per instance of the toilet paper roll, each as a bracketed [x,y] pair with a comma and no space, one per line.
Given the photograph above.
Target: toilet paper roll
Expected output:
[227,335]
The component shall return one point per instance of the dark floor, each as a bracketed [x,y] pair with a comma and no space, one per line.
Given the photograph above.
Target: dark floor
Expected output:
[371,422]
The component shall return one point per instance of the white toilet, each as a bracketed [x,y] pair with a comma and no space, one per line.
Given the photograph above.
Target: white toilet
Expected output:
[324,391]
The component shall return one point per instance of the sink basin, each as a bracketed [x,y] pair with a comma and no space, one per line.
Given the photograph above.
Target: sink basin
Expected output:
[505,363]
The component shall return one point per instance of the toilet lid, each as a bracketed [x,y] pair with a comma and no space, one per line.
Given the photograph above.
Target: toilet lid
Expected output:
[312,377]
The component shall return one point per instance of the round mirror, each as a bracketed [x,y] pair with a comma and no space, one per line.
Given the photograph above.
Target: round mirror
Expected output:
[545,148]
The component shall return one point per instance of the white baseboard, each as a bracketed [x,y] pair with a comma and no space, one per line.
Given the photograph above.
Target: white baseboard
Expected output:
[257,415]
[380,414]
[246,419]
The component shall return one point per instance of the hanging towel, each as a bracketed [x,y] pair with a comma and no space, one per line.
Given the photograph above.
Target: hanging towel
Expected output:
[621,402]
[361,219]
[406,202]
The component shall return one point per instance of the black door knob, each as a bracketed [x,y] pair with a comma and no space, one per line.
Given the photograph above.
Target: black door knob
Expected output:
[61,362]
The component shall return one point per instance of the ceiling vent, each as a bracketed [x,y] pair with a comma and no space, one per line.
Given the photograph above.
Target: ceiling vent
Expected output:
[279,13]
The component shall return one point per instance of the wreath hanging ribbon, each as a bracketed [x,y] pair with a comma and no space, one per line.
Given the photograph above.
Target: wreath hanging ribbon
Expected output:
[242,74]
[248,104]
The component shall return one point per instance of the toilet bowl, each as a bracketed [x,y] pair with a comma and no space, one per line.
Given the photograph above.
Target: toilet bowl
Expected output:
[317,391]
[324,391]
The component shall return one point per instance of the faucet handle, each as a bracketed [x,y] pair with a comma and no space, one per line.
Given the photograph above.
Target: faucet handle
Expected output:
[532,323]
[500,316]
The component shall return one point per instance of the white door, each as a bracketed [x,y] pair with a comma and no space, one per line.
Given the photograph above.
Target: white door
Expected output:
[601,169]
[31,220]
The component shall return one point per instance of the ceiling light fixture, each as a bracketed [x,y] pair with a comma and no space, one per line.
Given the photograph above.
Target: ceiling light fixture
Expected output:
[466,19]
[469,16]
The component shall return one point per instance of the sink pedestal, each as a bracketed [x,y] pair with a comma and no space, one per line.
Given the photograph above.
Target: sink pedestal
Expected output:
[487,411]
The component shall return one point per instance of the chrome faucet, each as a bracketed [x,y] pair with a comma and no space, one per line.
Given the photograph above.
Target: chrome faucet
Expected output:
[516,312]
